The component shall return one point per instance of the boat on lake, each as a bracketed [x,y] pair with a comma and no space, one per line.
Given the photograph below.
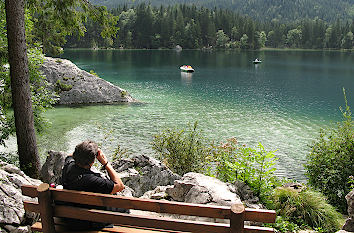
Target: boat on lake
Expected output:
[257,61]
[187,68]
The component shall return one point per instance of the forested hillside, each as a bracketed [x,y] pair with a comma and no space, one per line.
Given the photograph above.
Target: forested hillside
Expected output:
[265,10]
[144,26]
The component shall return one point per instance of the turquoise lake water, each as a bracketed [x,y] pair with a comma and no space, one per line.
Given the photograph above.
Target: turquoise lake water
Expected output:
[281,103]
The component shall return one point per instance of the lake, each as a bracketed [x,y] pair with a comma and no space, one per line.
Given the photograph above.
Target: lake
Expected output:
[281,103]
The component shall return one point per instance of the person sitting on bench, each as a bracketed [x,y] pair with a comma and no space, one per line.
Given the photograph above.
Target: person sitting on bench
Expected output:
[77,175]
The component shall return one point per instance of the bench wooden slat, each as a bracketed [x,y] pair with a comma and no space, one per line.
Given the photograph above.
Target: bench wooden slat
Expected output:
[59,221]
[34,207]
[129,219]
[29,190]
[117,229]
[143,221]
[260,215]
[158,206]
[255,229]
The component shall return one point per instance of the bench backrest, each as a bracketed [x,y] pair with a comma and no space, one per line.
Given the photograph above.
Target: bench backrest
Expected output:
[237,213]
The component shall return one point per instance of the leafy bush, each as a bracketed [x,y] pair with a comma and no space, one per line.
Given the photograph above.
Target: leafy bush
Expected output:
[254,166]
[331,161]
[305,209]
[182,151]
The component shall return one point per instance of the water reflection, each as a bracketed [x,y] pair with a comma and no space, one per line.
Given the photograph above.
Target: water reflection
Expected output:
[186,78]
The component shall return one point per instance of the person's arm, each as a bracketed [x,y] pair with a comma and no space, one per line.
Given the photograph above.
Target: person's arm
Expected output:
[118,186]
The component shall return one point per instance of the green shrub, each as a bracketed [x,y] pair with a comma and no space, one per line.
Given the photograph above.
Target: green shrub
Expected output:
[254,166]
[119,153]
[182,151]
[62,86]
[305,209]
[330,163]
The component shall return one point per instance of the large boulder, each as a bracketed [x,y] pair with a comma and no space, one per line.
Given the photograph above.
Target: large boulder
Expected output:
[349,224]
[52,168]
[143,173]
[12,215]
[76,86]
[200,189]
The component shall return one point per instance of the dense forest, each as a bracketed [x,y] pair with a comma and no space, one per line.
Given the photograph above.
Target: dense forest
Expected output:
[265,10]
[192,27]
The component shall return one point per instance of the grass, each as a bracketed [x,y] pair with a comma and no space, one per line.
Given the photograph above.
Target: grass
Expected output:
[307,209]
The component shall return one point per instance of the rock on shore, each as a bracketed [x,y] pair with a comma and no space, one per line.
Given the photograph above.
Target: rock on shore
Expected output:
[76,86]
[12,215]
[349,224]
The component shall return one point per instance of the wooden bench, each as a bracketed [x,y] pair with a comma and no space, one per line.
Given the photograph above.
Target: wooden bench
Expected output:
[129,223]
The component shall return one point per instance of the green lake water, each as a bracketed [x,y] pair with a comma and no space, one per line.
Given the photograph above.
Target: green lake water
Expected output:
[281,103]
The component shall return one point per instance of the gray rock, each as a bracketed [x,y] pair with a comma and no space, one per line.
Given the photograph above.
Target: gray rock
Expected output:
[246,194]
[143,173]
[201,189]
[52,168]
[20,229]
[159,193]
[196,188]
[76,86]
[349,224]
[12,214]
[126,192]
[178,48]
[350,200]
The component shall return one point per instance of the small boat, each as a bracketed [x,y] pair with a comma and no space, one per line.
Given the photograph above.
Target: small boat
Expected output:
[257,61]
[187,68]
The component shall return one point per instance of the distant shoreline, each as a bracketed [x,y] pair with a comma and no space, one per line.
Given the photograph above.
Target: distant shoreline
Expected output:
[262,49]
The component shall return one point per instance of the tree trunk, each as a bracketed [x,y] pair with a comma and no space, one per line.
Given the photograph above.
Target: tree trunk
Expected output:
[20,87]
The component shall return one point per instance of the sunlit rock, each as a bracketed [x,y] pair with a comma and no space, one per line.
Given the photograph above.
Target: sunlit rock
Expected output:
[76,86]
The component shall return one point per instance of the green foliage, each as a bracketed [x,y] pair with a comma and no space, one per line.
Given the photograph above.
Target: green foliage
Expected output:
[254,166]
[221,39]
[351,182]
[182,151]
[123,94]
[303,210]
[330,162]
[286,11]
[93,73]
[62,86]
[54,20]
[284,226]
[120,153]
[42,98]
[145,26]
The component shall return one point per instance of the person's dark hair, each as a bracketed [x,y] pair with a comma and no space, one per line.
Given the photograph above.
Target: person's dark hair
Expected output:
[85,153]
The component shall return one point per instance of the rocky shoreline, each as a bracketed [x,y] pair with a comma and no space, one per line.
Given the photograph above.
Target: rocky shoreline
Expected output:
[76,86]
[144,177]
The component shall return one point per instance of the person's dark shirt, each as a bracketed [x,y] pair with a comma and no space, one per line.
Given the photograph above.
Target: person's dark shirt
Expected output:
[81,179]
